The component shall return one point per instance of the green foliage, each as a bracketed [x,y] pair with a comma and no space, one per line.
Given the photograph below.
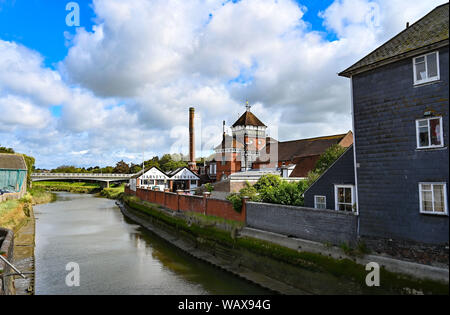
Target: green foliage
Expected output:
[6,150]
[286,193]
[267,181]
[272,189]
[248,191]
[328,158]
[122,168]
[236,201]
[113,192]
[209,187]
[76,187]
[29,161]
[135,168]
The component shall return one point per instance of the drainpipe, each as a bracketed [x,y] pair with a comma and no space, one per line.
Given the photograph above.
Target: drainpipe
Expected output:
[355,165]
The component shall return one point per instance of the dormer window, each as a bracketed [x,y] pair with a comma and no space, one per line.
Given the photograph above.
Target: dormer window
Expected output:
[426,68]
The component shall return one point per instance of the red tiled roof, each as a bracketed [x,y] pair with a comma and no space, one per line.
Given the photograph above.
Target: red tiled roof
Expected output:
[290,150]
[303,165]
[249,119]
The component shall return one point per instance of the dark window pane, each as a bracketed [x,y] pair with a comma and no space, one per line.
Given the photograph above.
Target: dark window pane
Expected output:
[348,195]
[435,131]
[420,72]
[423,137]
[420,59]
[432,65]
[340,194]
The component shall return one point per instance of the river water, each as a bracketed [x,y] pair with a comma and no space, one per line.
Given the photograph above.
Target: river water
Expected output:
[116,256]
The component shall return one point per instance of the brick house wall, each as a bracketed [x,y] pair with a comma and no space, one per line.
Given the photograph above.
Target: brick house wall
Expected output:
[389,166]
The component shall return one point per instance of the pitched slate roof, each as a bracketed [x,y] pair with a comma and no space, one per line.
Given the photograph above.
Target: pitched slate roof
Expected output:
[12,162]
[431,29]
[248,119]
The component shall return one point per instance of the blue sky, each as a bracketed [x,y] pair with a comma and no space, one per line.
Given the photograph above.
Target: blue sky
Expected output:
[40,24]
[113,89]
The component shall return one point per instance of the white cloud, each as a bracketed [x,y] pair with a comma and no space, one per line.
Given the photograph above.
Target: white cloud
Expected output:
[17,112]
[22,73]
[126,87]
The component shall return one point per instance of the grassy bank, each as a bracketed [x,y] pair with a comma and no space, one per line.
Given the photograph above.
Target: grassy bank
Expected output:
[113,192]
[77,187]
[40,196]
[345,269]
[14,213]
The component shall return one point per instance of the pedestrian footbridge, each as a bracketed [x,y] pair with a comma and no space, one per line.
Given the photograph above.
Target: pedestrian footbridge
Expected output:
[106,178]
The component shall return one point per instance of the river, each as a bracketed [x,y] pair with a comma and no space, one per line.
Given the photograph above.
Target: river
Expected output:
[116,256]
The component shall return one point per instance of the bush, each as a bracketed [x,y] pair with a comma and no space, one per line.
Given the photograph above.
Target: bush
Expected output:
[272,189]
[286,194]
[209,187]
[236,201]
[248,191]
[267,181]
[328,158]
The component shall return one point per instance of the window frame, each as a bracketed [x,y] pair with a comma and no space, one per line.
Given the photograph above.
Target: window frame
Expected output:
[441,133]
[445,213]
[315,202]
[428,80]
[336,203]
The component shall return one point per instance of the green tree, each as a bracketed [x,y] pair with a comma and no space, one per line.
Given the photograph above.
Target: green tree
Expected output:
[328,158]
[107,170]
[66,169]
[122,168]
[154,162]
[134,168]
[6,150]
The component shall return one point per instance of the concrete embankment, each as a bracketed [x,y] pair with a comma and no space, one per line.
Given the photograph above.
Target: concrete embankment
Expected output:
[217,258]
[283,269]
[24,243]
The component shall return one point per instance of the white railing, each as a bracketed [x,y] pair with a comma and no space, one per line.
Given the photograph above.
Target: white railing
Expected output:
[86,175]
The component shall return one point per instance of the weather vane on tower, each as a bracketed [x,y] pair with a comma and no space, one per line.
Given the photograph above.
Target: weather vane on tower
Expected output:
[247,106]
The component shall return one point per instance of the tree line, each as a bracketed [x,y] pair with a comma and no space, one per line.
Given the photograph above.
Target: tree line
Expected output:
[167,163]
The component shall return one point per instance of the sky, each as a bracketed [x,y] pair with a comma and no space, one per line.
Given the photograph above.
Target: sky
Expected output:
[119,85]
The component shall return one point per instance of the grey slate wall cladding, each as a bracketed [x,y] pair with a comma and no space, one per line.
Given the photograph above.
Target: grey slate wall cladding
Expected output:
[342,172]
[386,105]
[306,223]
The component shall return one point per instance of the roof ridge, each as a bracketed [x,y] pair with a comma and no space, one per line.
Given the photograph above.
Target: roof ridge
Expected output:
[389,41]
[317,138]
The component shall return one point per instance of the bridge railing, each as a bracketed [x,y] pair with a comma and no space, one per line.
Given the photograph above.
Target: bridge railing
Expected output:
[87,175]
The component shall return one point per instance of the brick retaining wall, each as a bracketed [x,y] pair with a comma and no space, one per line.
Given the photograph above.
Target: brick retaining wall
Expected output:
[181,202]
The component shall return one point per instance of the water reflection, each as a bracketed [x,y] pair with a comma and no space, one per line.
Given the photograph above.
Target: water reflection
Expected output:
[117,256]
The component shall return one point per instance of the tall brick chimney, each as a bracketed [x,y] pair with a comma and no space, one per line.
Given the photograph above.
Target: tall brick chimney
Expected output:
[192,164]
